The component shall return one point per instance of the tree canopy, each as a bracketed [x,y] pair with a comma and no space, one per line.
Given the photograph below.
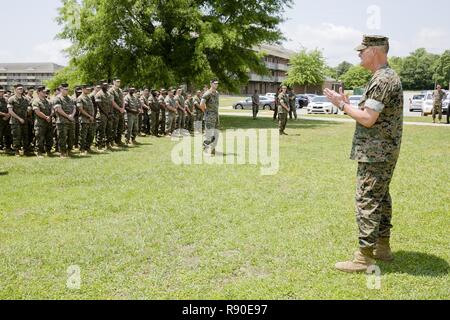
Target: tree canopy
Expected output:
[306,68]
[356,77]
[165,42]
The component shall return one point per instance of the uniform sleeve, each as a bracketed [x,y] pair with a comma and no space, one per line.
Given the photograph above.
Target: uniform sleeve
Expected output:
[57,104]
[98,98]
[206,97]
[10,103]
[79,104]
[376,96]
[35,105]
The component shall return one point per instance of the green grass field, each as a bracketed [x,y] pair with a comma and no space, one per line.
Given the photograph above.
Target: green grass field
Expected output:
[140,227]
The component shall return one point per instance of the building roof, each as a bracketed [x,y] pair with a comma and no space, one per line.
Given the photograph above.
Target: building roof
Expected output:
[32,67]
[277,51]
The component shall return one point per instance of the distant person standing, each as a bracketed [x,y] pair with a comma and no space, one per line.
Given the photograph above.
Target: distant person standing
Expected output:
[283,110]
[438,95]
[275,110]
[292,106]
[210,106]
[255,104]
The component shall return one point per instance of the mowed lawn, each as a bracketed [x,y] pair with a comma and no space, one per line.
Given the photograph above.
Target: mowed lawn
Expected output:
[140,227]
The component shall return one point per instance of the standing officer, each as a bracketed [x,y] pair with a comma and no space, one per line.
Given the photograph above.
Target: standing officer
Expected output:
[180,102]
[133,107]
[43,127]
[5,128]
[75,96]
[155,111]
[376,147]
[292,106]
[30,119]
[163,112]
[199,114]
[87,120]
[65,113]
[118,115]
[438,95]
[171,107]
[105,118]
[18,107]
[144,99]
[255,104]
[283,110]
[190,117]
[210,106]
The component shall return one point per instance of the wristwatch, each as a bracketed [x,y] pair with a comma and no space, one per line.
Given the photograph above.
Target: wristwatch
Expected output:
[341,105]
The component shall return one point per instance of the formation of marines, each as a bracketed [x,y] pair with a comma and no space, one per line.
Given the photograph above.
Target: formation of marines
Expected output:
[34,122]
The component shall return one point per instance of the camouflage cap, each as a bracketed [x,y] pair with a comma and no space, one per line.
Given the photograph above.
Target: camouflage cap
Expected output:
[372,41]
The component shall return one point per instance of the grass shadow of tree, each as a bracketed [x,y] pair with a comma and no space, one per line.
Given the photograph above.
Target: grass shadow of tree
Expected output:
[417,264]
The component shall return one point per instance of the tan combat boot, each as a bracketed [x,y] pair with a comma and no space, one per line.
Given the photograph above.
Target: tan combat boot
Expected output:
[383,250]
[363,259]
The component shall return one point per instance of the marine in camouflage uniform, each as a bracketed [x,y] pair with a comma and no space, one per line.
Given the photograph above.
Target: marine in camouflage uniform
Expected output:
[77,117]
[210,105]
[43,127]
[438,96]
[86,109]
[190,118]
[5,128]
[292,106]
[155,112]
[145,104]
[171,106]
[118,115]
[65,110]
[283,109]
[18,107]
[181,118]
[105,118]
[198,113]
[30,119]
[162,112]
[133,107]
[376,147]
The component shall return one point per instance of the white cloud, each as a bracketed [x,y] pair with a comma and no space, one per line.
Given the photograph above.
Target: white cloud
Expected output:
[50,51]
[435,40]
[336,42]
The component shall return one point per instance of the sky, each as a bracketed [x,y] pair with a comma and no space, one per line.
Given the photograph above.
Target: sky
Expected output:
[335,27]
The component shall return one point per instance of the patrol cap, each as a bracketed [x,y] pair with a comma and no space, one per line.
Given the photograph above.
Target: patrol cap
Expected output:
[86,86]
[215,81]
[40,88]
[117,79]
[64,86]
[19,85]
[31,88]
[163,91]
[78,89]
[372,41]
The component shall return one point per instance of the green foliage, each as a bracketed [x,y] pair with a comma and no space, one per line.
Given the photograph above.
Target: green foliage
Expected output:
[442,69]
[166,42]
[355,77]
[307,68]
[342,68]
[418,69]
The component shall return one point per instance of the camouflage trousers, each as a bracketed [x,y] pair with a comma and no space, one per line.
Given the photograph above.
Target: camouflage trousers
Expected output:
[20,136]
[5,134]
[181,120]
[118,127]
[171,122]
[44,137]
[212,130]
[66,136]
[199,121]
[189,123]
[255,109]
[144,125]
[292,111]
[133,126]
[282,121]
[437,109]
[162,121]
[373,201]
[87,134]
[77,130]
[154,122]
[105,130]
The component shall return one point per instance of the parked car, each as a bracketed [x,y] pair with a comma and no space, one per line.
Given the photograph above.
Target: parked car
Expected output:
[445,104]
[271,95]
[354,101]
[416,102]
[321,105]
[301,101]
[427,105]
[264,103]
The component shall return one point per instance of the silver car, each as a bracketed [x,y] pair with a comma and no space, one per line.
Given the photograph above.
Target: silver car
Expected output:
[416,102]
[265,103]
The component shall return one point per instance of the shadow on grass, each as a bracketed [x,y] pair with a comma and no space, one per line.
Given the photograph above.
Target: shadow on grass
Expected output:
[237,122]
[416,264]
[4,173]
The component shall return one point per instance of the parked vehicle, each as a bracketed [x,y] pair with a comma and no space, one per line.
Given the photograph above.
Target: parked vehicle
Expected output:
[271,95]
[301,101]
[321,105]
[416,102]
[354,101]
[427,105]
[446,104]
[265,103]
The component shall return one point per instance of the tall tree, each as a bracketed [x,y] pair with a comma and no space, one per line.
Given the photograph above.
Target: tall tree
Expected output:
[442,70]
[356,77]
[307,68]
[342,68]
[418,70]
[163,42]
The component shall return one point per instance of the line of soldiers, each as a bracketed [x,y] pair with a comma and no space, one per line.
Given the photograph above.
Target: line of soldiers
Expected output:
[32,122]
